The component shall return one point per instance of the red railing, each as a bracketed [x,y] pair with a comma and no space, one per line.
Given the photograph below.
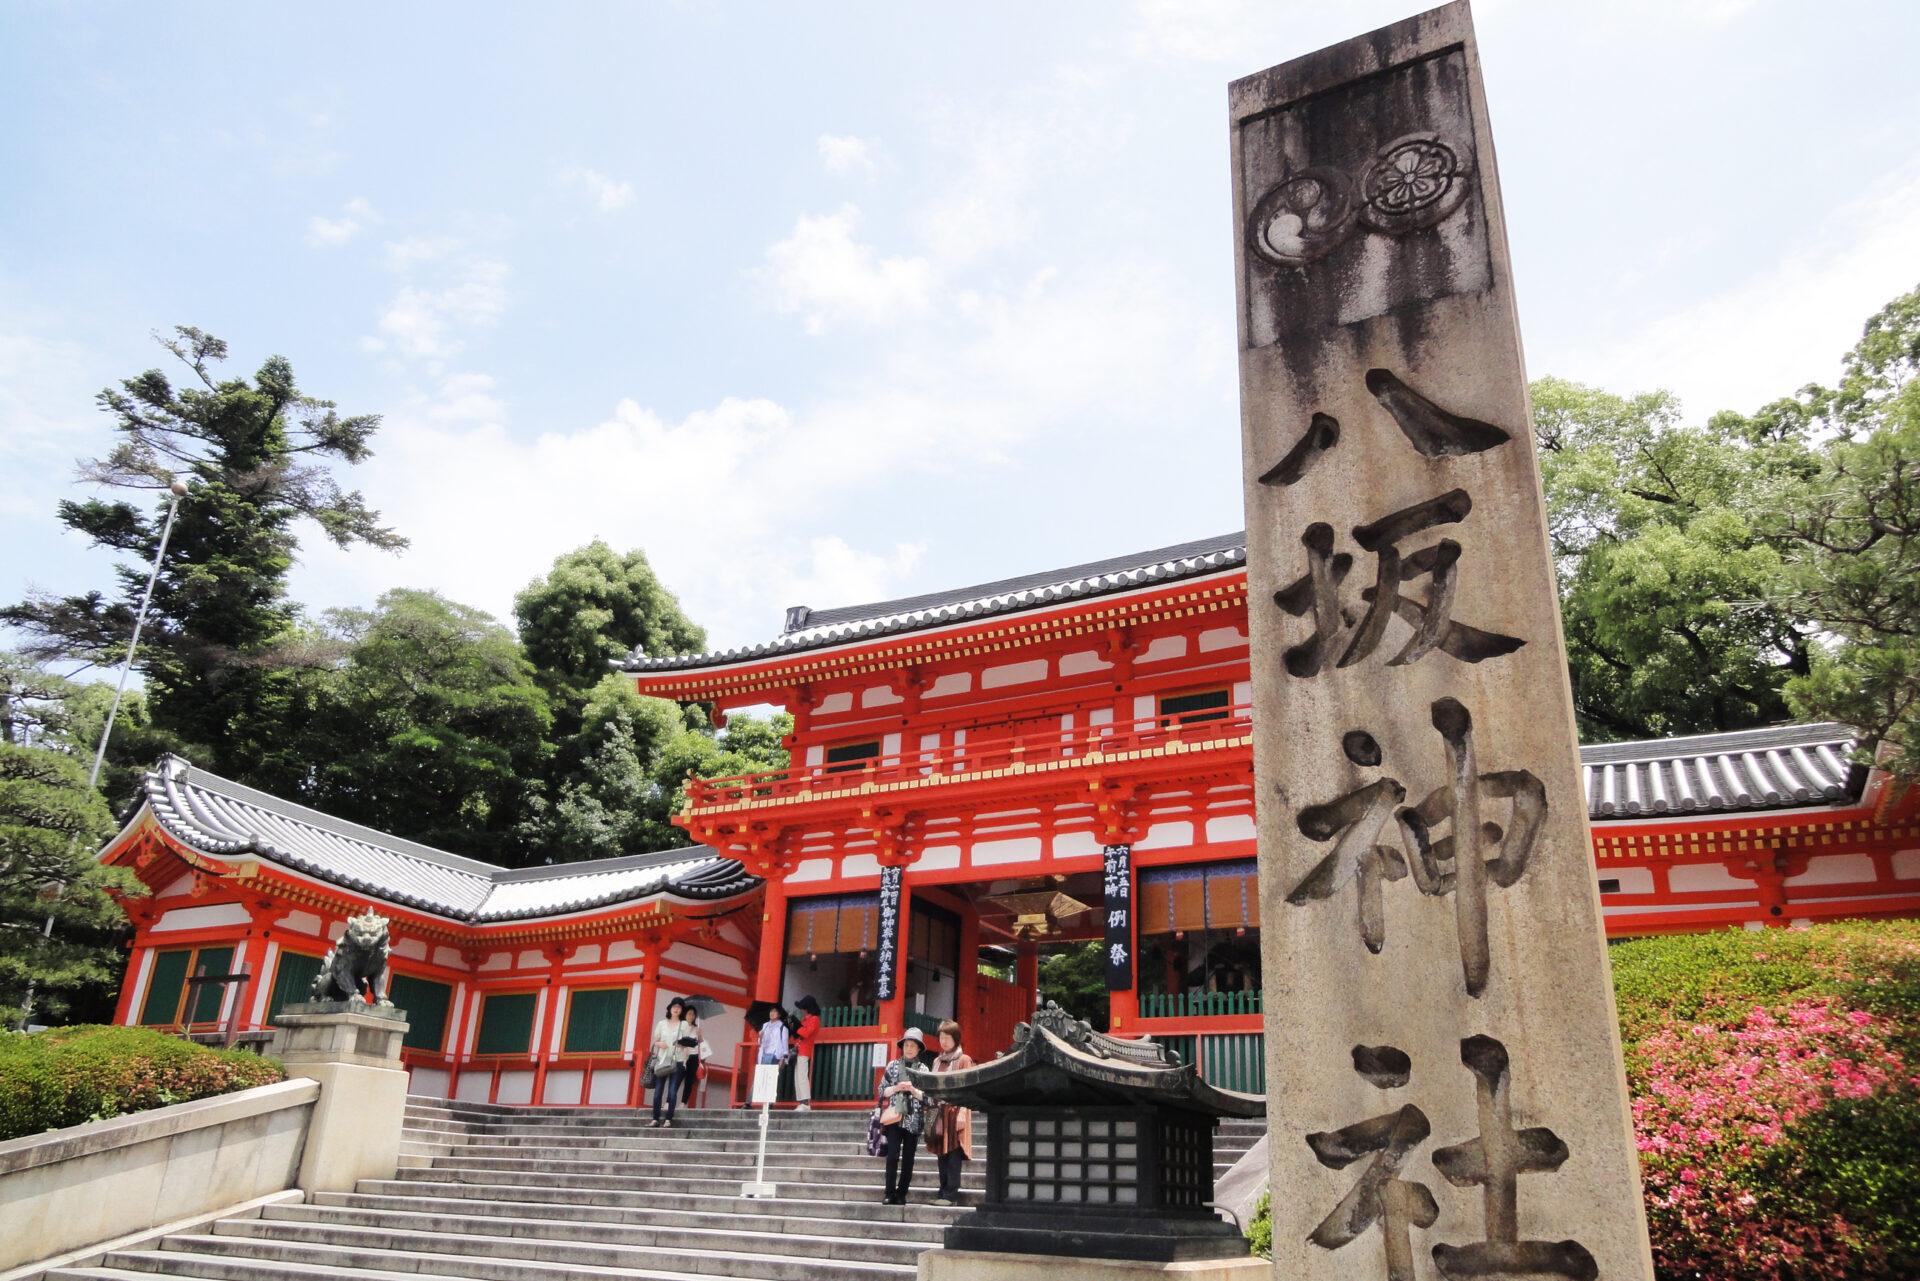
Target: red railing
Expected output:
[1046,750]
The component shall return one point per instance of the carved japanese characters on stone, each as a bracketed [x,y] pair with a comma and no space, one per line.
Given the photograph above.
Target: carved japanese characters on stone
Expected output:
[1454,864]
[1494,1163]
[1380,1196]
[1435,432]
[1343,635]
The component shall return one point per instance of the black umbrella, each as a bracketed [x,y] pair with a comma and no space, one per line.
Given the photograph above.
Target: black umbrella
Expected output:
[705,1006]
[757,1013]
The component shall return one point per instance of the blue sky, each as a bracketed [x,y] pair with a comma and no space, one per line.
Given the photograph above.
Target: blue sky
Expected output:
[823,303]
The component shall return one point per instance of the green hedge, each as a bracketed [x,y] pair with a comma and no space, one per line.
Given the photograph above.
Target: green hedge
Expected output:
[65,1076]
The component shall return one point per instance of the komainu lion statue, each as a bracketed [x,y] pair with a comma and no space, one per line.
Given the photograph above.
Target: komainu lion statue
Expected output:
[357,965]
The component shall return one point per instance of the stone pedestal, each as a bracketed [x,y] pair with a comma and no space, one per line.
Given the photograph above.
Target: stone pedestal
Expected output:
[983,1265]
[353,1050]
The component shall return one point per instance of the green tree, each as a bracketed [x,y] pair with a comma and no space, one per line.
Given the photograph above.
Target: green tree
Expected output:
[1852,541]
[51,823]
[1666,580]
[593,607]
[433,728]
[259,457]
[1074,976]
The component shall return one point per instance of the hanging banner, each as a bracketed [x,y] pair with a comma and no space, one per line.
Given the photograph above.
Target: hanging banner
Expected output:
[889,948]
[1118,874]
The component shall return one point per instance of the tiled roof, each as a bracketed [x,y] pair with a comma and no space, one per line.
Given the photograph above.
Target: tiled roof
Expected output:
[222,818]
[1756,769]
[816,629]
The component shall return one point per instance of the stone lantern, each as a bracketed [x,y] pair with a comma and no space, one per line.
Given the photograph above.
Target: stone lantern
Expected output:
[1100,1148]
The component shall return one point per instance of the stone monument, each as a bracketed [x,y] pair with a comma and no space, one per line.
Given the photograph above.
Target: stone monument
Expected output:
[1447,1095]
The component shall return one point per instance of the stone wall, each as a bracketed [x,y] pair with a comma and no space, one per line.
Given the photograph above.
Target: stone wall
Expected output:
[70,1188]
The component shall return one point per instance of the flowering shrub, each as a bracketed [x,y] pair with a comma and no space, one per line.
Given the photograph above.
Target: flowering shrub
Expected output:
[1775,1101]
[73,1074]
[1775,1078]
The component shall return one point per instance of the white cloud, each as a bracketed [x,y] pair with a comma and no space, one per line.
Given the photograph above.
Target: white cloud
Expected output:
[837,574]
[607,193]
[404,255]
[843,153]
[426,319]
[324,232]
[822,272]
[1781,328]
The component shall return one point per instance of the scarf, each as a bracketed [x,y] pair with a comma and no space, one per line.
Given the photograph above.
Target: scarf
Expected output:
[946,1061]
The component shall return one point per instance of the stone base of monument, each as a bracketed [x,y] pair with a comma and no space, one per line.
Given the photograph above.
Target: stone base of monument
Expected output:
[353,1050]
[1153,1237]
[983,1265]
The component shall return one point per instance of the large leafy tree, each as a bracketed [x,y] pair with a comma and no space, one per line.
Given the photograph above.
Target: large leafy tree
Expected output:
[259,456]
[1852,539]
[51,822]
[594,606]
[432,728]
[1667,583]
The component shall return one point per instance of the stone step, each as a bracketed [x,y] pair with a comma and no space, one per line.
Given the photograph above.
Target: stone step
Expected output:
[655,1183]
[539,1261]
[795,1199]
[855,1170]
[619,1161]
[779,1215]
[592,1245]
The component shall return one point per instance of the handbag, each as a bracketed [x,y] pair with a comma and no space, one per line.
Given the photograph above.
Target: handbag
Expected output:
[876,1138]
[890,1115]
[648,1078]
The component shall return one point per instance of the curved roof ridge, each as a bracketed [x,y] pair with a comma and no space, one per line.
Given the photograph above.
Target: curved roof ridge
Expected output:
[220,817]
[810,629]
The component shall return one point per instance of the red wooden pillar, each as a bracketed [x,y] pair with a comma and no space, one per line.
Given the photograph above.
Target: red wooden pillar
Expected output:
[543,1034]
[643,1038]
[773,943]
[137,955]
[1026,972]
[966,984]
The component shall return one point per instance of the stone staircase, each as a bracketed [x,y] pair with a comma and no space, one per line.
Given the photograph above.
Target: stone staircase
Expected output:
[568,1194]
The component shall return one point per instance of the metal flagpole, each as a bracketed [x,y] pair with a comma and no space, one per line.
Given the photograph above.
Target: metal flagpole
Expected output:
[179,491]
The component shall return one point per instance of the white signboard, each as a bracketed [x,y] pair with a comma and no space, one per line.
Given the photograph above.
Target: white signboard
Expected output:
[766,1083]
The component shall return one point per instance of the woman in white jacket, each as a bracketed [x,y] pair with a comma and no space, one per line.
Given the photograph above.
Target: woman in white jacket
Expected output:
[668,1059]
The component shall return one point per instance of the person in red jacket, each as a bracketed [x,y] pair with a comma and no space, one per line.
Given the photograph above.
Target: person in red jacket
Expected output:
[803,1037]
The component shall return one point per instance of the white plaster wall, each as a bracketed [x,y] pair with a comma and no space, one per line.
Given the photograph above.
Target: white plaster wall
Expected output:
[515,1087]
[1165,648]
[1230,827]
[201,918]
[473,1087]
[1693,878]
[1835,869]
[1075,844]
[531,959]
[299,923]
[1633,880]
[1221,638]
[833,703]
[1906,865]
[178,885]
[623,950]
[586,954]
[1014,674]
[1167,836]
[428,1082]
[859,865]
[879,696]
[608,1087]
[950,684]
[410,947]
[563,1085]
[938,857]
[449,957]
[811,869]
[1079,664]
[1018,849]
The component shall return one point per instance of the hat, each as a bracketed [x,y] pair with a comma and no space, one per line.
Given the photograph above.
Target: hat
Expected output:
[915,1035]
